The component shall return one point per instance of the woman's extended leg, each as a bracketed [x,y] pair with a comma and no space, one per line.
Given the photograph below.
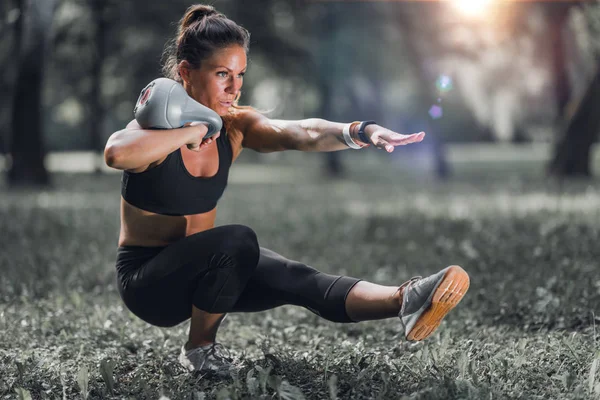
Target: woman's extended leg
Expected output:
[277,281]
[368,301]
[420,303]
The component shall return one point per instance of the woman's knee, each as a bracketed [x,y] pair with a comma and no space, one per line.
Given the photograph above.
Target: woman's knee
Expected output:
[241,242]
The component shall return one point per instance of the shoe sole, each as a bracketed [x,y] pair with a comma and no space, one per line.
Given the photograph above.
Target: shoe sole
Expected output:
[449,293]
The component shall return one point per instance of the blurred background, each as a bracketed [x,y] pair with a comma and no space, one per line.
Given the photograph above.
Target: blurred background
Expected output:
[503,184]
[501,82]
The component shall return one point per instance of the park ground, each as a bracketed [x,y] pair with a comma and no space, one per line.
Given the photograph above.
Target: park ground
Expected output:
[525,330]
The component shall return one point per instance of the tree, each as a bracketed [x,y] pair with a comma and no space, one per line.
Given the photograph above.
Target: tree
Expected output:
[329,24]
[572,153]
[8,48]
[27,147]
[572,150]
[97,111]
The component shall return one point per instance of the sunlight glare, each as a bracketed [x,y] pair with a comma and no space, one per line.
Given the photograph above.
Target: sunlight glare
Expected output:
[471,8]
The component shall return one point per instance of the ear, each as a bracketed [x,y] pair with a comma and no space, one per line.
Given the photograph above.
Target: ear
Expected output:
[184,70]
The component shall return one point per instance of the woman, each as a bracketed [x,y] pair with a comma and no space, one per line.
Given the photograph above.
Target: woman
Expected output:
[174,264]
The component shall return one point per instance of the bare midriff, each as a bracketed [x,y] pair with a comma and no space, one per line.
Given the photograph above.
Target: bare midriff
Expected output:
[144,228]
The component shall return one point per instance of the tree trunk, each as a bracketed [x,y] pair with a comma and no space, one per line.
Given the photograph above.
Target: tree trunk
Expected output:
[333,166]
[573,150]
[27,148]
[7,84]
[96,109]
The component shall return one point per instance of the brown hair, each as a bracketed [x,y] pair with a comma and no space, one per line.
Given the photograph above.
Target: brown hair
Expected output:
[202,31]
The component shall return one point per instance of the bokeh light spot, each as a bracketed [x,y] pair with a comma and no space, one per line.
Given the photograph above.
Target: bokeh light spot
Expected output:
[444,83]
[436,112]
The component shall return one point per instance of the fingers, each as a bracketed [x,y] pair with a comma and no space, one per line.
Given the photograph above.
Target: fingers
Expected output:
[386,146]
[401,140]
[396,139]
[203,144]
[383,145]
[206,142]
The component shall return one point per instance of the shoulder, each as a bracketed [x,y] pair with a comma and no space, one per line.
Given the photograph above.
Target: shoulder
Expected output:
[243,119]
[241,123]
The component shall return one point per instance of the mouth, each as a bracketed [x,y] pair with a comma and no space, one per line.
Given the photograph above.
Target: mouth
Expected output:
[226,103]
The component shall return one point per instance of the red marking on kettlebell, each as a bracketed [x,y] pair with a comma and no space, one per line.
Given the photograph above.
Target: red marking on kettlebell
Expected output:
[145,95]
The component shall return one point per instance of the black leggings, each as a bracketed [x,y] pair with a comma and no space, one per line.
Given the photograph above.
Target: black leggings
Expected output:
[222,270]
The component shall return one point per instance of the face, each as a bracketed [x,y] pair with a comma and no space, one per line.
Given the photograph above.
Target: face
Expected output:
[219,79]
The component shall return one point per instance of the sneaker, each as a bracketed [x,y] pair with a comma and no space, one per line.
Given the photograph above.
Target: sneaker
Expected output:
[425,302]
[210,359]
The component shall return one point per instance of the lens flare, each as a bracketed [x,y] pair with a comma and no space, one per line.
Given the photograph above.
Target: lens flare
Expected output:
[436,112]
[444,83]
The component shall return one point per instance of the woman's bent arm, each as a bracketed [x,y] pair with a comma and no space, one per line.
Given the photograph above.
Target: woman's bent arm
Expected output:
[133,147]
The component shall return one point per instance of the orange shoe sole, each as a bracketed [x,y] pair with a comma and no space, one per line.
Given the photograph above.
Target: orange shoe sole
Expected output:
[449,293]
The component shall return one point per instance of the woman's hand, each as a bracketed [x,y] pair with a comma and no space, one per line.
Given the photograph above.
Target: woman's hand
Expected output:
[196,140]
[383,138]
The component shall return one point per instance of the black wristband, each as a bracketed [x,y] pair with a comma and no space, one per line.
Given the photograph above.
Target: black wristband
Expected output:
[361,131]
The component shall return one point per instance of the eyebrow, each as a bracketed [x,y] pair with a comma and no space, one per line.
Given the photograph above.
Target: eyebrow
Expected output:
[229,69]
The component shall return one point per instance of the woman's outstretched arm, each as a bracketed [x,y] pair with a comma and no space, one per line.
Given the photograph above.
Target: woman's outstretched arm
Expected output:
[268,135]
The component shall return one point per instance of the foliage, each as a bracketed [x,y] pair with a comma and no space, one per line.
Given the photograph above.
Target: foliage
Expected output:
[359,48]
[526,329]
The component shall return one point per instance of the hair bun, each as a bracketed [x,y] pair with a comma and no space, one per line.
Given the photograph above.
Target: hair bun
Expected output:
[196,13]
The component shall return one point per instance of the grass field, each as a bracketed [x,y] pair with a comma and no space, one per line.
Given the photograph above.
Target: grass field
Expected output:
[526,329]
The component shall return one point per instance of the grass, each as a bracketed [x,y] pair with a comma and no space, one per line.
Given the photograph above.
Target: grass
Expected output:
[526,329]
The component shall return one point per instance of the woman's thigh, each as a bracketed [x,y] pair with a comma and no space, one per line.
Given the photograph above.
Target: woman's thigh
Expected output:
[208,269]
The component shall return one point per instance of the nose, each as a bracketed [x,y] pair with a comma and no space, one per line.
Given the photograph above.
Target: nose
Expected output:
[235,84]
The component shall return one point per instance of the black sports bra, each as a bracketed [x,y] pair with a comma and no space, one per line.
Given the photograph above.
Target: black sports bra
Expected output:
[170,189]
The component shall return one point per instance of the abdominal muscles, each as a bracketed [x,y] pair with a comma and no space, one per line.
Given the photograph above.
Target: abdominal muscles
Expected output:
[143,228]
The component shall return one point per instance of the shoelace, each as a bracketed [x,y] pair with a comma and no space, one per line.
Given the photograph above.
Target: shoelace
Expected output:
[406,286]
[214,351]
[218,353]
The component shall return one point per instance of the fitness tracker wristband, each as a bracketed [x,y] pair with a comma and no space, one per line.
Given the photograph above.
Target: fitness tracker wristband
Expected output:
[361,131]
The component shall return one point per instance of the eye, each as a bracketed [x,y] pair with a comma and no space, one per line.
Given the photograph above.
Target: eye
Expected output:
[222,74]
[242,74]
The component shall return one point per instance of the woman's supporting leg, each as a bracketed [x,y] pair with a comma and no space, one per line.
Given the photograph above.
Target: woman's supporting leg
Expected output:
[208,270]
[203,328]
